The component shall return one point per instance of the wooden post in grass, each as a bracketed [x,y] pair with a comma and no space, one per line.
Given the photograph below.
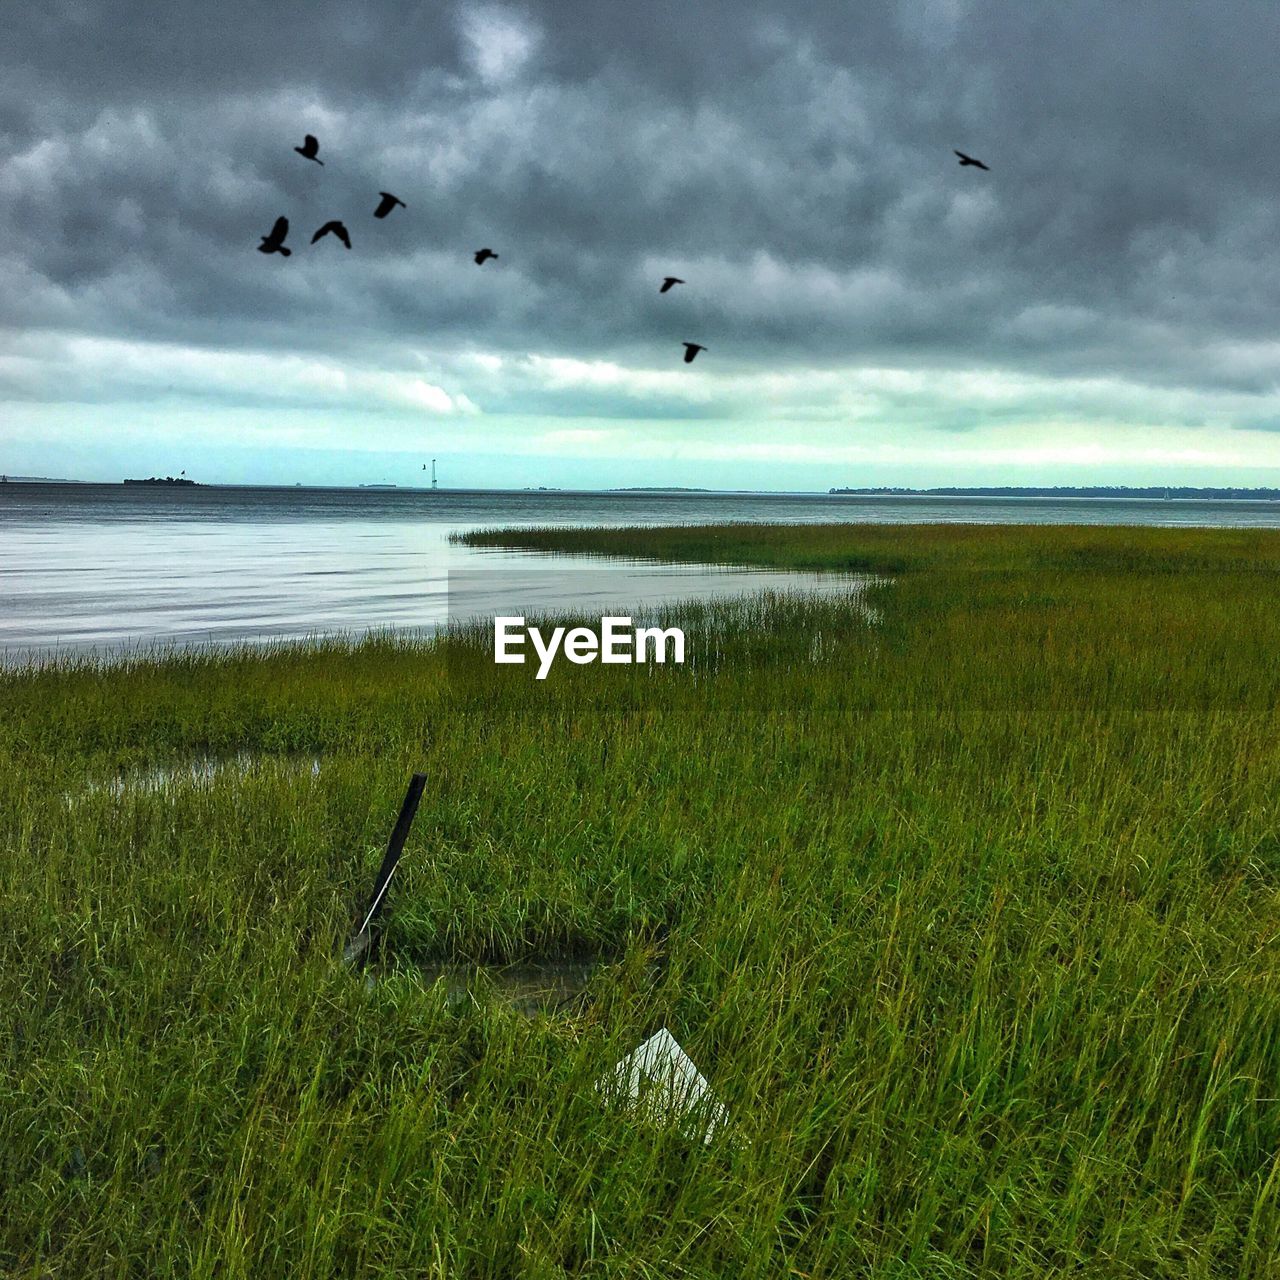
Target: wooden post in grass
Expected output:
[358,946]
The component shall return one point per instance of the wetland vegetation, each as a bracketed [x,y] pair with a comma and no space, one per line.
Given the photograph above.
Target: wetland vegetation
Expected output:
[967,906]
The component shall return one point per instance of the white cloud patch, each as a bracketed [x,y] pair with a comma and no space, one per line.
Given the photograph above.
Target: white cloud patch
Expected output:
[500,42]
[74,368]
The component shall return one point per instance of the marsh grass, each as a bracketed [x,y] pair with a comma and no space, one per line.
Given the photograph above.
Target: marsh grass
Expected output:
[969,912]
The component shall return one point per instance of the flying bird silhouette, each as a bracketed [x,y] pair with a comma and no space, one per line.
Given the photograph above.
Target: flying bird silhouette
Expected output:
[668,281]
[387,203]
[483,256]
[691,349]
[966,160]
[310,149]
[274,243]
[338,230]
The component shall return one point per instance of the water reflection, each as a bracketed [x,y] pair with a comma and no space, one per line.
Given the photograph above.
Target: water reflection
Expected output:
[104,567]
[75,586]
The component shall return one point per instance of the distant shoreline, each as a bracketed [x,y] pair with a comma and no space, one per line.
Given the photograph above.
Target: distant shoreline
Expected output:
[1095,493]
[1158,492]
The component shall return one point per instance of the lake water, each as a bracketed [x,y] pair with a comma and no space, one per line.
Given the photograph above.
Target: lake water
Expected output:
[108,568]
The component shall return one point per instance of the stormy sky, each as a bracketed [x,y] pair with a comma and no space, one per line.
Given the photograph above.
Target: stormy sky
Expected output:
[1103,306]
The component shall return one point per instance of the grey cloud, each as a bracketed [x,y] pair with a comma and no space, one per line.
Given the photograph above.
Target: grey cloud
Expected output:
[1127,227]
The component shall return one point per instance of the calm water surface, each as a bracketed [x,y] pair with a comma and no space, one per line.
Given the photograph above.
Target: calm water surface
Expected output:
[105,568]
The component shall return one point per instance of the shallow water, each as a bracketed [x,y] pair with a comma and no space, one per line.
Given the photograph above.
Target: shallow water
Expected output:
[106,569]
[200,773]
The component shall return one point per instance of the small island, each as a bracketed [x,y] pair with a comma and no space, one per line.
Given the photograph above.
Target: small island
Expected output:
[166,480]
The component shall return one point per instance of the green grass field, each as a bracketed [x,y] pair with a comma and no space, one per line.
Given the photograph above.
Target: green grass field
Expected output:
[969,911]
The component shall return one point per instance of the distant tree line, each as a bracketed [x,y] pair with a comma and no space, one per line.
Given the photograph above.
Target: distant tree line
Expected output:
[1073,491]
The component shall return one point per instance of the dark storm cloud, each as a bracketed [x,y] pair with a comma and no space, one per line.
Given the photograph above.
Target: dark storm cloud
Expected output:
[100,52]
[796,169]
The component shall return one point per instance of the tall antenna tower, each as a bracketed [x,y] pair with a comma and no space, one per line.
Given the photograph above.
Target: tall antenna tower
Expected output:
[433,473]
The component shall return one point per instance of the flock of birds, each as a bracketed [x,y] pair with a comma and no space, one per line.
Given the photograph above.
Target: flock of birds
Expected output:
[275,241]
[310,150]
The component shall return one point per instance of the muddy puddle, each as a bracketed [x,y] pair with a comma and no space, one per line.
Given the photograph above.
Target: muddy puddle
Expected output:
[531,988]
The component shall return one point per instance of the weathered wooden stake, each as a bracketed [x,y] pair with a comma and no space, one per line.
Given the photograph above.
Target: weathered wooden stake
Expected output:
[359,943]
